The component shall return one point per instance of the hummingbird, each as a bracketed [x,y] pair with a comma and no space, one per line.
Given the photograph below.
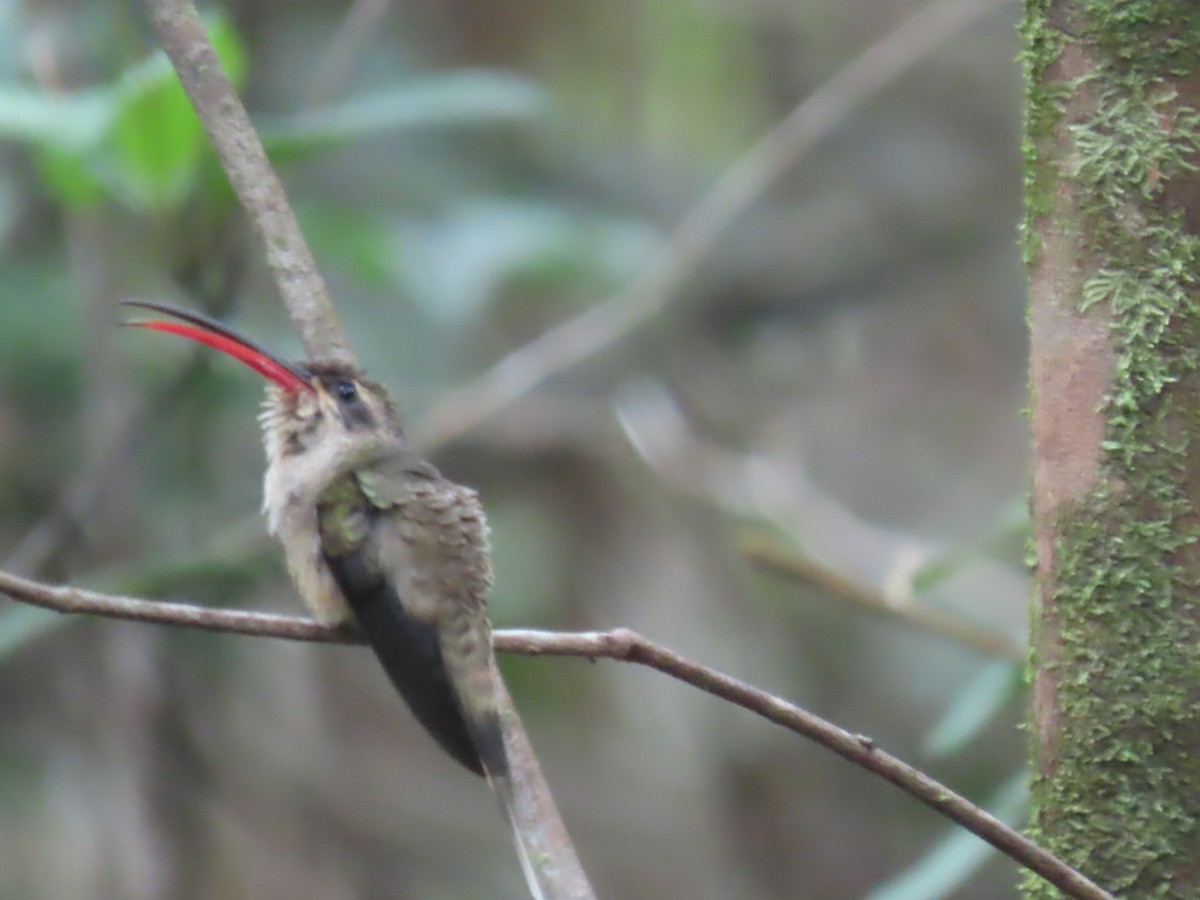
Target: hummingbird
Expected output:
[374,535]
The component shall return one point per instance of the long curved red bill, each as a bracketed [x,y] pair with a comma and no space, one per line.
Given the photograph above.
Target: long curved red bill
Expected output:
[212,333]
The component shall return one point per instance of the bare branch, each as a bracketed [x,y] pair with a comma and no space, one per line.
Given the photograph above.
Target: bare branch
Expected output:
[794,565]
[570,342]
[619,644]
[254,181]
[72,600]
[360,22]
[748,486]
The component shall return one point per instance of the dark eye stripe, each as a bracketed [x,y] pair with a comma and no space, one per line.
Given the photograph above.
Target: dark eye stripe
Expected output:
[354,406]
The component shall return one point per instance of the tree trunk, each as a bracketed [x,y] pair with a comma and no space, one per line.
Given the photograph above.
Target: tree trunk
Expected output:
[1110,238]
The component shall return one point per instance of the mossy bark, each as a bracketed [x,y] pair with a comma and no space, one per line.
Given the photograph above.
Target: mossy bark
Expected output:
[1110,237]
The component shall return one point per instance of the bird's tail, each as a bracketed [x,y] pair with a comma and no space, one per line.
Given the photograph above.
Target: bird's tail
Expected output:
[467,651]
[502,786]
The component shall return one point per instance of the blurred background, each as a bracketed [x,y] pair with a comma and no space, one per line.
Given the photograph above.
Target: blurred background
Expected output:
[796,453]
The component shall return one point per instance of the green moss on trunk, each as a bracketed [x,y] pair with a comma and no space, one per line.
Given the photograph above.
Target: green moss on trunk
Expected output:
[1043,111]
[1119,794]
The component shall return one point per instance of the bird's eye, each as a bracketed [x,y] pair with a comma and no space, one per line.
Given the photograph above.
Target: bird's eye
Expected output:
[346,391]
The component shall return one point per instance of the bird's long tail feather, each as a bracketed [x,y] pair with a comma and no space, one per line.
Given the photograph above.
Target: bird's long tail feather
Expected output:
[467,651]
[502,786]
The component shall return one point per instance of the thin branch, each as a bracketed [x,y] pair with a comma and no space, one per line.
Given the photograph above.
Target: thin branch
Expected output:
[746,485]
[570,342]
[72,600]
[360,23]
[792,564]
[618,644]
[254,181]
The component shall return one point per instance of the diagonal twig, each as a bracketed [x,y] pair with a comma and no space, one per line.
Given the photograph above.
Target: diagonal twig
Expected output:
[770,556]
[619,644]
[254,180]
[597,327]
[742,484]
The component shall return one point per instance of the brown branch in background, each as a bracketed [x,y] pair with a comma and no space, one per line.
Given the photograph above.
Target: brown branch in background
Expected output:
[619,644]
[358,25]
[570,342]
[254,181]
[746,485]
[769,556]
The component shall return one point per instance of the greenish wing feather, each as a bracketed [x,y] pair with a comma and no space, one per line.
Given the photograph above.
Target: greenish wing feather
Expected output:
[388,482]
[341,517]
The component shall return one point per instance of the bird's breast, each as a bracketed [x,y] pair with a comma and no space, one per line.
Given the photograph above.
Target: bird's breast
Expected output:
[291,515]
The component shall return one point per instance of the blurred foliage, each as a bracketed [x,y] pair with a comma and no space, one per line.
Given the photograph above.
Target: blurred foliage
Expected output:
[136,140]
[978,702]
[848,360]
[958,856]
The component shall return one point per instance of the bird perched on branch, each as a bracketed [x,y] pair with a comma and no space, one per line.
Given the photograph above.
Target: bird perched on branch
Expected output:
[373,534]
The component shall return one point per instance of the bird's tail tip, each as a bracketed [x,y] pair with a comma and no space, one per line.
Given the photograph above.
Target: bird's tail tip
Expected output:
[502,786]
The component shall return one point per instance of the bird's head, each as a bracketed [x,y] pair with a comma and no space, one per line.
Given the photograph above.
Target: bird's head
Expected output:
[330,405]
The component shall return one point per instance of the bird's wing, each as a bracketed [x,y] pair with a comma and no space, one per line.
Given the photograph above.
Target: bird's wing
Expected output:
[390,480]
[376,563]
[433,538]
[411,653]
[428,622]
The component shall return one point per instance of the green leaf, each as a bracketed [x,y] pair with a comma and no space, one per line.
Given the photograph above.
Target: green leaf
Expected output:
[959,854]
[230,48]
[44,119]
[454,266]
[65,131]
[974,705]
[157,141]
[69,178]
[1013,522]
[942,567]
[471,97]
[354,240]
[137,139]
